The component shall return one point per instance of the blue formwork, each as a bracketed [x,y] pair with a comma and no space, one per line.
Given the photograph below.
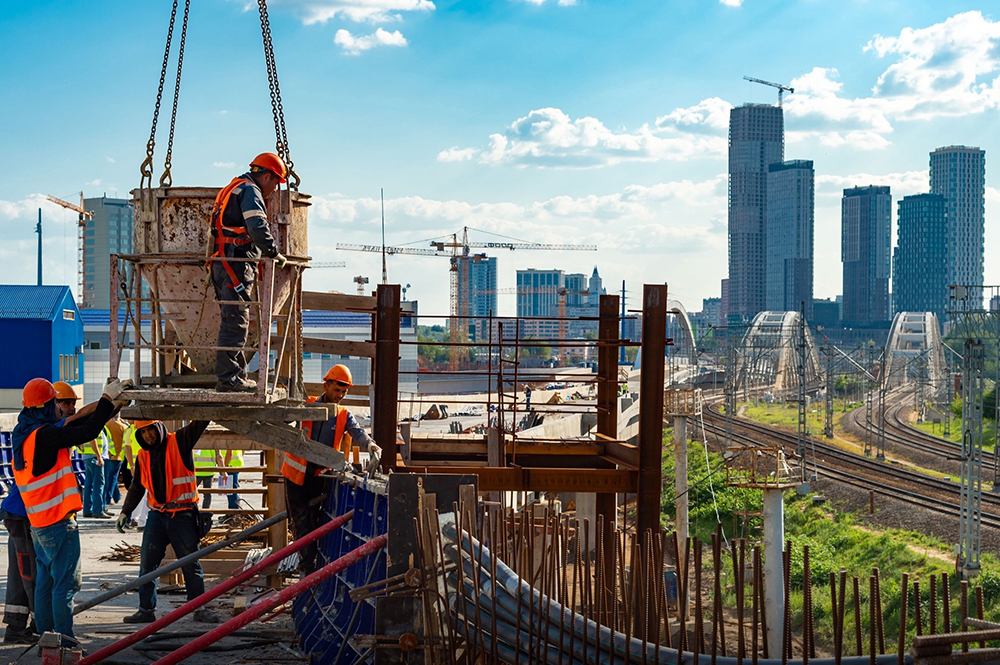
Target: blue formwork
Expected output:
[326,619]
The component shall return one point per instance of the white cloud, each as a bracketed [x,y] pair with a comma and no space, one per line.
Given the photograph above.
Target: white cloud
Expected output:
[456,154]
[901,184]
[110,159]
[224,165]
[731,3]
[359,11]
[355,45]
[96,182]
[561,3]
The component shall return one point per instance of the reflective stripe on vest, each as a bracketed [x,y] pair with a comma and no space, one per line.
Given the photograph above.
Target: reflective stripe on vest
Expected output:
[294,467]
[52,496]
[202,459]
[228,235]
[182,490]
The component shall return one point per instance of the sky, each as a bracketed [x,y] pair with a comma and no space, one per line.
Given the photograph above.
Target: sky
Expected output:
[550,121]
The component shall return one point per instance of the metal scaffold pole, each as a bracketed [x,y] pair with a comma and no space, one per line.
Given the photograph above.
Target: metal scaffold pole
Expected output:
[830,385]
[971,491]
[803,431]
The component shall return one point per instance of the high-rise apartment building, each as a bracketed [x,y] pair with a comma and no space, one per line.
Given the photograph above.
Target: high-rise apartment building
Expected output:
[108,232]
[756,140]
[477,291]
[865,238]
[958,173]
[789,237]
[919,264]
[538,296]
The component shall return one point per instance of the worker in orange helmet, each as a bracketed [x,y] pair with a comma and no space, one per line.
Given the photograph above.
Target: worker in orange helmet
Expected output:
[45,479]
[240,231]
[302,480]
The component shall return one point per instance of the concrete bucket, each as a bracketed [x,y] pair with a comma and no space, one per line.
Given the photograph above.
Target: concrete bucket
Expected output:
[171,242]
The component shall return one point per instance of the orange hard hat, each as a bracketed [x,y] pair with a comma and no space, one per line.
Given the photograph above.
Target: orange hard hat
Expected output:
[139,424]
[64,391]
[341,374]
[37,392]
[271,162]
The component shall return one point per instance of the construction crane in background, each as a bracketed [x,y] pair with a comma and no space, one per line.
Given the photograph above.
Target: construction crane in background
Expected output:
[81,259]
[328,264]
[460,255]
[781,87]
[361,280]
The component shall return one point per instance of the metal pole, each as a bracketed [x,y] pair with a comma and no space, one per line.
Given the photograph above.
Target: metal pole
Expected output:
[38,230]
[774,594]
[971,490]
[681,477]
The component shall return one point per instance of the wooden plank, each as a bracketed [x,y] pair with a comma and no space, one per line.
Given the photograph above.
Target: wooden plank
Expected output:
[229,490]
[356,390]
[222,439]
[337,302]
[218,412]
[336,347]
[288,439]
[450,448]
[613,481]
[623,453]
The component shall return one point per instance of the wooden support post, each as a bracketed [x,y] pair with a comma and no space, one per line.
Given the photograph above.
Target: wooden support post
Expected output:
[277,535]
[607,413]
[386,372]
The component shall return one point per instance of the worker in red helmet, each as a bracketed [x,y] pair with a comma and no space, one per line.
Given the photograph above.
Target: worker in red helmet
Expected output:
[44,476]
[240,231]
[302,480]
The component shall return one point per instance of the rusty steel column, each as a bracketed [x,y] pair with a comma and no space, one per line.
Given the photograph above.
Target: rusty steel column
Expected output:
[654,345]
[607,412]
[385,373]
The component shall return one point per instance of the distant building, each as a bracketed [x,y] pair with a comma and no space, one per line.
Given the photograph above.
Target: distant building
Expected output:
[41,330]
[596,288]
[724,302]
[538,296]
[826,313]
[919,264]
[789,237]
[108,232]
[958,173]
[756,140]
[477,289]
[866,215]
[711,311]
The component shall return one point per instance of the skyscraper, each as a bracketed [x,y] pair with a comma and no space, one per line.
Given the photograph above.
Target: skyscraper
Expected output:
[596,288]
[477,286]
[958,173]
[865,238]
[108,232]
[789,237]
[919,264]
[756,140]
[538,296]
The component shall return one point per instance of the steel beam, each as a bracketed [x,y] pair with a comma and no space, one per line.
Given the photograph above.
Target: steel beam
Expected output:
[386,372]
[654,345]
[518,479]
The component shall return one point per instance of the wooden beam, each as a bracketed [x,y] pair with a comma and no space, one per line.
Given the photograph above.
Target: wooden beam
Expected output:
[288,439]
[218,412]
[385,373]
[516,479]
[337,302]
[335,347]
[468,448]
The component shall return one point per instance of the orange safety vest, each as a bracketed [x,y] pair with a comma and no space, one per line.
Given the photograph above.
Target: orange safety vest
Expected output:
[294,468]
[182,487]
[228,235]
[52,496]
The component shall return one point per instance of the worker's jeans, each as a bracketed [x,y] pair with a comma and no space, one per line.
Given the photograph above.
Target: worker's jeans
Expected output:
[234,320]
[112,493]
[180,531]
[57,558]
[206,497]
[234,499]
[93,487]
[305,518]
[20,598]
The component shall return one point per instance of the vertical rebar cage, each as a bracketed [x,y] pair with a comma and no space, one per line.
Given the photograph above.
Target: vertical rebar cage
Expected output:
[171,311]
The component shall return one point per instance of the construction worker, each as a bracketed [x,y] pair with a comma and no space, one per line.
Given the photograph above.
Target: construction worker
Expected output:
[207,459]
[114,430]
[240,231]
[234,460]
[165,476]
[95,456]
[44,475]
[302,480]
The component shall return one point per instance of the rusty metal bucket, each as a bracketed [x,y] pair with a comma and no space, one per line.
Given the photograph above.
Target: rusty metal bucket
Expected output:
[171,241]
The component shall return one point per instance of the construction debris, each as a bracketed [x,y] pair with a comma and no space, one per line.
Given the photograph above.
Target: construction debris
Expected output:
[124,552]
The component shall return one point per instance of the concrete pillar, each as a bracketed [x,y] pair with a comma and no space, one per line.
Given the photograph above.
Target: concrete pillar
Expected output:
[681,479]
[774,588]
[586,509]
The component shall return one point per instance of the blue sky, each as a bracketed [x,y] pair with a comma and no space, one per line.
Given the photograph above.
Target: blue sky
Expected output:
[544,120]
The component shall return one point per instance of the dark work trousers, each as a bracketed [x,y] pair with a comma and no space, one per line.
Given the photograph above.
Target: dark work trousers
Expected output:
[234,321]
[20,599]
[305,518]
[206,497]
[180,531]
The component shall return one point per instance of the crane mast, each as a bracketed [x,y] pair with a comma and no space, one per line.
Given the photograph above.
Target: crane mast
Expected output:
[81,260]
[780,86]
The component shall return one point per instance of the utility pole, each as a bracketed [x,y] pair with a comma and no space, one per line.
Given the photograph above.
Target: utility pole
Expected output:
[803,431]
[971,491]
[868,401]
[730,388]
[949,382]
[38,230]
[621,349]
[830,385]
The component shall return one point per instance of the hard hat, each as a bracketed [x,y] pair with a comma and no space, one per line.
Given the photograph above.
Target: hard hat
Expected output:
[37,392]
[271,162]
[64,391]
[341,374]
[139,424]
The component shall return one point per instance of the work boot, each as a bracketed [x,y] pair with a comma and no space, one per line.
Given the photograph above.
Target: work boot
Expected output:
[237,385]
[107,514]
[204,615]
[142,616]
[25,636]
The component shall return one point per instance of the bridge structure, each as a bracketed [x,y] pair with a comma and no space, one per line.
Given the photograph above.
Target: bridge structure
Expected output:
[914,353]
[774,347]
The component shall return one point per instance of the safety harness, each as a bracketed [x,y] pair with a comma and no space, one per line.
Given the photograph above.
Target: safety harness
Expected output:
[229,235]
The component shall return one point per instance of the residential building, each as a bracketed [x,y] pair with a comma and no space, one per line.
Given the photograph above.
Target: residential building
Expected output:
[538,301]
[108,232]
[920,262]
[477,289]
[789,237]
[826,313]
[866,217]
[756,140]
[958,173]
[711,311]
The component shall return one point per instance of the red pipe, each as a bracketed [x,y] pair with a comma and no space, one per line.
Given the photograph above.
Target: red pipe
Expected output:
[215,592]
[324,573]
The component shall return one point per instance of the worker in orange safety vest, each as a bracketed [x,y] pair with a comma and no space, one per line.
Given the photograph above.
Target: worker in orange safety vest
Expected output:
[302,480]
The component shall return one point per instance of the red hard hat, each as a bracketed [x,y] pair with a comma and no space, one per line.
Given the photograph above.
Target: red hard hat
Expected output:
[341,374]
[271,162]
[64,391]
[37,392]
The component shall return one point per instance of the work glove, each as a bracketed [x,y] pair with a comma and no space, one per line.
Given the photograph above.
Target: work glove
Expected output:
[280,261]
[374,458]
[122,522]
[115,387]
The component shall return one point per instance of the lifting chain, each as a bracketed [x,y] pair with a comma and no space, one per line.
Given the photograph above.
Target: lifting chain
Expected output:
[146,168]
[281,136]
[166,180]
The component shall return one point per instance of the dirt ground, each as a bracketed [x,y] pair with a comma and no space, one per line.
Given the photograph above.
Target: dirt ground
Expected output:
[103,625]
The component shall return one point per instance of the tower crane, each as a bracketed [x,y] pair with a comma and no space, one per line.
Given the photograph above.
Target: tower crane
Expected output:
[460,256]
[327,264]
[81,260]
[781,87]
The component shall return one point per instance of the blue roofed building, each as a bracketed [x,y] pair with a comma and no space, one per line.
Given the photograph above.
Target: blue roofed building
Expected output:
[42,334]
